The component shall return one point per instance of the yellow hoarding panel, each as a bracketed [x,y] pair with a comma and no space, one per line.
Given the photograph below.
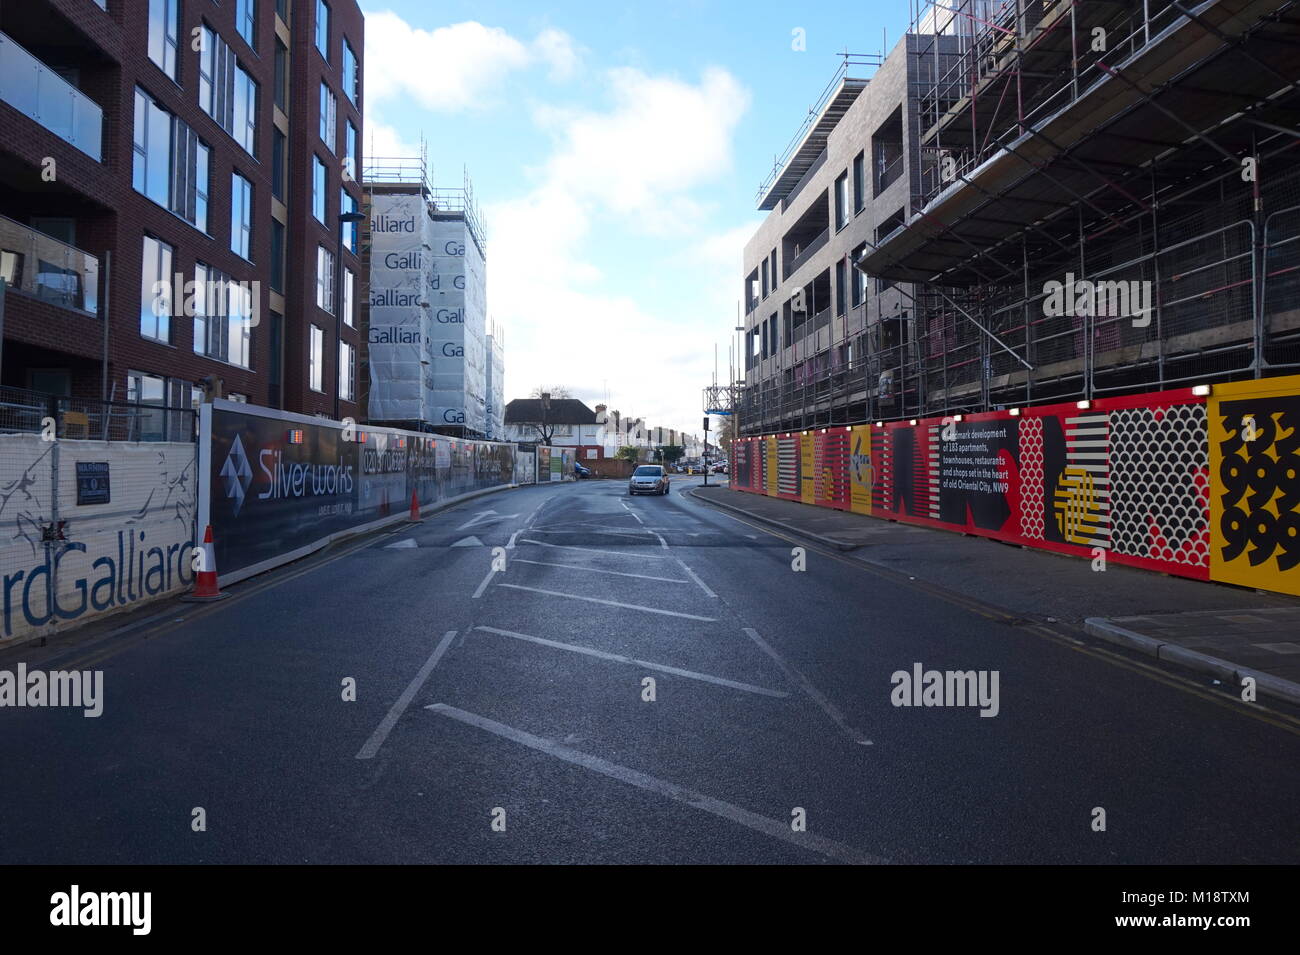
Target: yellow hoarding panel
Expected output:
[1254,483]
[860,473]
[773,469]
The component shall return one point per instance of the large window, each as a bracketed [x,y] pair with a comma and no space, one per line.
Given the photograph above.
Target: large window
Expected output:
[279,158]
[277,255]
[351,75]
[281,76]
[328,117]
[351,149]
[841,288]
[348,204]
[164,15]
[348,286]
[246,21]
[318,189]
[170,162]
[841,201]
[222,316]
[241,216]
[859,280]
[325,279]
[323,28]
[316,359]
[227,92]
[155,290]
[347,372]
[859,181]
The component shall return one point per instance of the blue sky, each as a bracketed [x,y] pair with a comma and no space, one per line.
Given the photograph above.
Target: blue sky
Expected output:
[615,149]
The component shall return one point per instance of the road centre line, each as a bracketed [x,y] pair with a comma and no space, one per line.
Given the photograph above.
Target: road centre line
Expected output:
[620,658]
[598,570]
[610,603]
[775,828]
[395,712]
[829,708]
[695,577]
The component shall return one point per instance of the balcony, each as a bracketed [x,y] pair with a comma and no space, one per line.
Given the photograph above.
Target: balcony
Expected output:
[41,94]
[47,269]
[792,266]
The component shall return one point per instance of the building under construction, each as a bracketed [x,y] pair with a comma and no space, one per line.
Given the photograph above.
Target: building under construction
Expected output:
[1032,201]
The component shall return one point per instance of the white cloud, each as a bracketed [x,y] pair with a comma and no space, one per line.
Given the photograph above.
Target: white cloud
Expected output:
[386,141]
[636,167]
[456,67]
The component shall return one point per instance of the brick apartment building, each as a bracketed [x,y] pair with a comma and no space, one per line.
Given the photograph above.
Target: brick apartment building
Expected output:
[150,139]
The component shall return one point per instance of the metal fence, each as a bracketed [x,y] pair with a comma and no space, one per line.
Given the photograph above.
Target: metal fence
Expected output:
[25,411]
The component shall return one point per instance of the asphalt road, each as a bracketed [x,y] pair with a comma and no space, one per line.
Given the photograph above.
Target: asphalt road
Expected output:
[502,715]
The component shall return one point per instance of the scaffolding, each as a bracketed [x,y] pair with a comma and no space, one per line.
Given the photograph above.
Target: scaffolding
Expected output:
[1147,146]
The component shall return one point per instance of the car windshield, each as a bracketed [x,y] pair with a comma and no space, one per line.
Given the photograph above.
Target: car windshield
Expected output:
[648,471]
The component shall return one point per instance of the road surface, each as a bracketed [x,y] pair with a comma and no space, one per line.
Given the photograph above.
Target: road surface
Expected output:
[501,654]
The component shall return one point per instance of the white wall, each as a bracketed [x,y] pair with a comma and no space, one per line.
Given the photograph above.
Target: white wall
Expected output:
[117,555]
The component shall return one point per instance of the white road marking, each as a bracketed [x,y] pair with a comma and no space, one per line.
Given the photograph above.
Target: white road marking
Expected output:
[468,542]
[599,570]
[775,828]
[829,708]
[404,544]
[538,530]
[511,544]
[610,603]
[482,517]
[662,543]
[592,550]
[632,512]
[696,578]
[395,713]
[483,586]
[619,658]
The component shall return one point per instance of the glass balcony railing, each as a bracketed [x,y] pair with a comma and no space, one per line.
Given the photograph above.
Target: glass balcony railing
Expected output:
[37,91]
[48,269]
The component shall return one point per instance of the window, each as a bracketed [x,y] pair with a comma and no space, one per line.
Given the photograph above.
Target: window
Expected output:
[155,290]
[764,271]
[772,258]
[223,311]
[163,18]
[315,358]
[277,255]
[351,147]
[279,157]
[281,76]
[841,201]
[241,216]
[351,76]
[859,284]
[144,390]
[859,182]
[227,92]
[841,287]
[323,28]
[347,372]
[318,189]
[348,204]
[348,285]
[170,162]
[325,279]
[328,117]
[246,21]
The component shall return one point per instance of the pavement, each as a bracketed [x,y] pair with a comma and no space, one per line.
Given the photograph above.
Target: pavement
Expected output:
[1228,633]
[564,674]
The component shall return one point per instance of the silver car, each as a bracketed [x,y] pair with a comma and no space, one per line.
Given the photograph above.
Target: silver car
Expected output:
[648,479]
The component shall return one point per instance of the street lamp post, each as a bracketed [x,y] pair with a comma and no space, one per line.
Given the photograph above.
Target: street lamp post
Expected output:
[345,218]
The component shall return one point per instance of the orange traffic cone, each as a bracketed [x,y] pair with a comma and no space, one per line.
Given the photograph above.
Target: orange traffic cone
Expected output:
[205,578]
[415,517]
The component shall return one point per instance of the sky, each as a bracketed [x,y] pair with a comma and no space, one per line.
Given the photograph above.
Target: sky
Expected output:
[616,150]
